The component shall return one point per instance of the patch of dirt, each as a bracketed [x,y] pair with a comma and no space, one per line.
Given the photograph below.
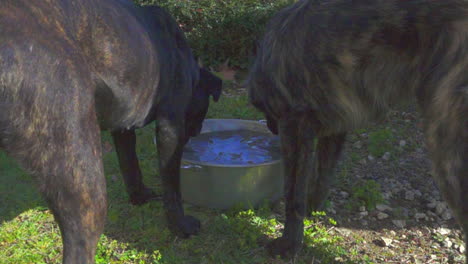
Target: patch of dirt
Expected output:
[413,224]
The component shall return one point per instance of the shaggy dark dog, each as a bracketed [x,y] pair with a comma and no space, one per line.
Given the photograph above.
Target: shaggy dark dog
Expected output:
[71,68]
[327,67]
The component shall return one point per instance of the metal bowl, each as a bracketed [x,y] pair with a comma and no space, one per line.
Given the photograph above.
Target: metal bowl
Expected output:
[223,186]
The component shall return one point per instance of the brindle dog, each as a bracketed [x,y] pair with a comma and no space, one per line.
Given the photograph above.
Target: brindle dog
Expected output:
[71,68]
[327,67]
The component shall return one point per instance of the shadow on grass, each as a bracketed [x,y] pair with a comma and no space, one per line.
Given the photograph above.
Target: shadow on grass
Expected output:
[226,237]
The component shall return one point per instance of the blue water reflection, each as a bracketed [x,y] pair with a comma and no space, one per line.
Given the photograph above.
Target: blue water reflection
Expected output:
[234,147]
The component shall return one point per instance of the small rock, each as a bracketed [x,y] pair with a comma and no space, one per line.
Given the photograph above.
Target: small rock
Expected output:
[344,231]
[357,144]
[430,213]
[362,208]
[432,205]
[409,195]
[447,215]
[402,143]
[399,223]
[387,195]
[383,242]
[386,156]
[393,233]
[331,211]
[440,208]
[383,207]
[362,214]
[420,216]
[363,161]
[344,194]
[364,222]
[443,231]
[381,215]
[370,158]
[435,246]
[418,193]
[462,249]
[338,259]
[447,243]
[387,241]
[415,260]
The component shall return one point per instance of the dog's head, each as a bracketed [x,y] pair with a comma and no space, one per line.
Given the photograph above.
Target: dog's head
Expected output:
[272,123]
[208,85]
[258,101]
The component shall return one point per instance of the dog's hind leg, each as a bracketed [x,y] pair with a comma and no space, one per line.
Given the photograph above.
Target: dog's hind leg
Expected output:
[297,145]
[125,141]
[327,152]
[170,140]
[76,194]
[50,127]
[63,151]
[447,141]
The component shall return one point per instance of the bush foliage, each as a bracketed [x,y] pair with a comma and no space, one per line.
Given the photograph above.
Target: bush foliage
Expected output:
[221,30]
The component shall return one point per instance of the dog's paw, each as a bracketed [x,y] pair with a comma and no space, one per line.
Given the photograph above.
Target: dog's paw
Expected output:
[284,248]
[144,196]
[185,226]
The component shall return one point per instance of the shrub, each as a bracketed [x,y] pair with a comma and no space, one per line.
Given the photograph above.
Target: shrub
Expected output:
[221,30]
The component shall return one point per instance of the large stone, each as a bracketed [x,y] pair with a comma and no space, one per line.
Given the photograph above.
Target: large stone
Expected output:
[382,215]
[399,223]
[440,208]
[383,208]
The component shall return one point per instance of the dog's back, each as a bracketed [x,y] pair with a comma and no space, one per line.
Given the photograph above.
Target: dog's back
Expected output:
[373,54]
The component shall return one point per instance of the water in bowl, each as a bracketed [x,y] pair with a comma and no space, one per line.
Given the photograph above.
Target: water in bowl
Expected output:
[233,147]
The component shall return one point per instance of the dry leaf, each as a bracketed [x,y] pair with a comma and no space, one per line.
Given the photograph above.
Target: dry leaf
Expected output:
[226,72]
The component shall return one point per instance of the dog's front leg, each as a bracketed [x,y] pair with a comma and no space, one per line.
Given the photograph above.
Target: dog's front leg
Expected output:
[327,153]
[124,141]
[170,138]
[297,144]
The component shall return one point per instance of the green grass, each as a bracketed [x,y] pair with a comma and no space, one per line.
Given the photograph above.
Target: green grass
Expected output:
[366,193]
[380,141]
[233,107]
[28,233]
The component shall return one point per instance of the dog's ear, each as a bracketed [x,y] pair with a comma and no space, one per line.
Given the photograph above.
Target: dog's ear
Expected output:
[211,83]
